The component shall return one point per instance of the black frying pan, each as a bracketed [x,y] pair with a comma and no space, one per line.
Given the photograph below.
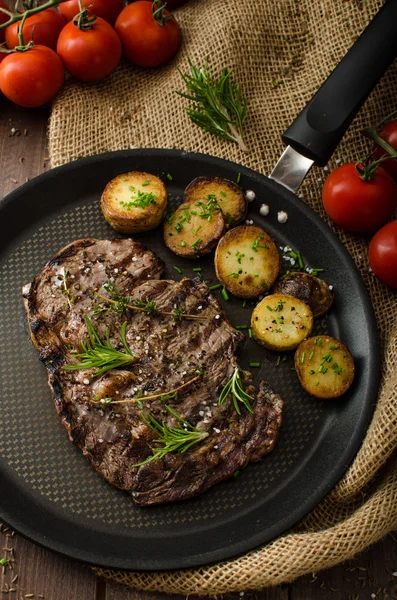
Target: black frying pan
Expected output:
[49,492]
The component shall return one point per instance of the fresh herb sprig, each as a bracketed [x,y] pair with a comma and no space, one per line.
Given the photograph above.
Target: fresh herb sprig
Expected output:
[161,395]
[171,439]
[101,355]
[218,105]
[149,307]
[239,396]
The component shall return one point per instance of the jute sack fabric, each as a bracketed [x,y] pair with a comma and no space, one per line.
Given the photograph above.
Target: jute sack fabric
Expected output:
[280,52]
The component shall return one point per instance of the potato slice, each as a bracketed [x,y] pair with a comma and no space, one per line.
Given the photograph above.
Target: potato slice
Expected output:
[281,322]
[134,202]
[226,193]
[324,366]
[247,261]
[194,229]
[312,290]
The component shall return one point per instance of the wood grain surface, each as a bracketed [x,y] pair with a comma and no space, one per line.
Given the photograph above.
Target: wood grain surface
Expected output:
[33,572]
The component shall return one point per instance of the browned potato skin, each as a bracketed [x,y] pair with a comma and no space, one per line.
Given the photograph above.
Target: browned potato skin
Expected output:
[342,356]
[246,286]
[137,219]
[233,203]
[209,233]
[312,290]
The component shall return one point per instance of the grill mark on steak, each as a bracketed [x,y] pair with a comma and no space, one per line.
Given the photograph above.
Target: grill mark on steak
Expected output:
[168,353]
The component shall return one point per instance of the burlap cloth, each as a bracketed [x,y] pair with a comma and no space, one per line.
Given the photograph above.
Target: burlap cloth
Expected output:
[296,44]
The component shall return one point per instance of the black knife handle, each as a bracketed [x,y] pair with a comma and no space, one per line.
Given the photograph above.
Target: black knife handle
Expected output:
[320,126]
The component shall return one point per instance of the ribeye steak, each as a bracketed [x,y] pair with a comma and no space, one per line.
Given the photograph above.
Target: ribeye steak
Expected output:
[169,352]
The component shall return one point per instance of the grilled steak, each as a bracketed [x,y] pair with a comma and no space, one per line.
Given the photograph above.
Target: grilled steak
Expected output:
[191,357]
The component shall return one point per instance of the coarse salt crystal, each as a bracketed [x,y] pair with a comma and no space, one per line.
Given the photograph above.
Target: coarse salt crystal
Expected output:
[86,381]
[250,195]
[282,216]
[217,316]
[331,287]
[216,430]
[264,210]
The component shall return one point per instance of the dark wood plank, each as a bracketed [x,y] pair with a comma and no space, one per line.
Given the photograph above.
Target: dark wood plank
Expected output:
[115,591]
[370,573]
[23,145]
[43,573]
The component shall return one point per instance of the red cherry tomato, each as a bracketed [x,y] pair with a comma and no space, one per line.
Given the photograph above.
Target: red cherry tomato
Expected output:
[382,254]
[31,78]
[357,205]
[91,54]
[44,26]
[145,42]
[389,134]
[106,9]
[3,19]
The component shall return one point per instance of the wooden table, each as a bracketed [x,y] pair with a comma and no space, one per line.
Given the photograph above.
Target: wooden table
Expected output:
[38,573]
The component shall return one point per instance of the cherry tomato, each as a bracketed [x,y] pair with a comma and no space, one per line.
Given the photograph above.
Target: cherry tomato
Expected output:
[358,205]
[3,19]
[389,134]
[382,254]
[106,9]
[44,26]
[145,42]
[31,78]
[91,54]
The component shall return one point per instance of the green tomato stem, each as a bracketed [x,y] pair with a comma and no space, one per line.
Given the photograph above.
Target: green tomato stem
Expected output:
[372,134]
[15,17]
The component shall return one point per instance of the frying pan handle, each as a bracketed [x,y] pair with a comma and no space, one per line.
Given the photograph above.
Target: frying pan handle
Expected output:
[320,126]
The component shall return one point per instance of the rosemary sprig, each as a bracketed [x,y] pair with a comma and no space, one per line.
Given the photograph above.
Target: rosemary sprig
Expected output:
[101,355]
[218,105]
[149,307]
[235,387]
[172,439]
[161,395]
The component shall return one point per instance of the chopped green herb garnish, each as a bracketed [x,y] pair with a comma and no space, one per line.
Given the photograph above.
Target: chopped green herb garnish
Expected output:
[269,308]
[145,183]
[177,269]
[178,227]
[182,244]
[222,193]
[141,200]
[238,178]
[255,364]
[244,303]
[311,355]
[250,333]
[311,372]
[169,176]
[337,368]
[241,327]
[255,245]
[334,347]
[303,357]
[4,562]
[195,245]
[197,269]
[224,293]
[318,341]
[214,287]
[278,360]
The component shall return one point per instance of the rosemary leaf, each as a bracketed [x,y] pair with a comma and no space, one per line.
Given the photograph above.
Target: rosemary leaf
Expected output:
[217,105]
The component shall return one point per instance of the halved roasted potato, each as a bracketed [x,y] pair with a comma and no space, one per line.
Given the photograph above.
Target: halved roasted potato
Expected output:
[312,290]
[247,261]
[194,229]
[325,366]
[134,202]
[226,193]
[281,322]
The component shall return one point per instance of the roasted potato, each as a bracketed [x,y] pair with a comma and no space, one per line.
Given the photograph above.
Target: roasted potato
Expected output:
[324,366]
[226,193]
[312,290]
[134,202]
[194,229]
[281,322]
[247,261]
